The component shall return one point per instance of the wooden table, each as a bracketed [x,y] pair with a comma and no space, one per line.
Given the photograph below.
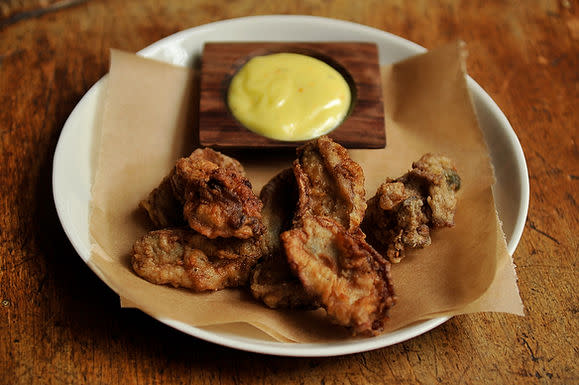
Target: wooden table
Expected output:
[60,324]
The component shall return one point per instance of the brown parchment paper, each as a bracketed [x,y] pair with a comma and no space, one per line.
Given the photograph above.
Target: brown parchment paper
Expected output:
[147,124]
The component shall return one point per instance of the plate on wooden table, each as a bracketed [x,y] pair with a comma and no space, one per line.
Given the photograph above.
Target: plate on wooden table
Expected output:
[72,159]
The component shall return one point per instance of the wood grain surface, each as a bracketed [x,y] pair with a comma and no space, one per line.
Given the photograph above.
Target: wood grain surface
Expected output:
[60,325]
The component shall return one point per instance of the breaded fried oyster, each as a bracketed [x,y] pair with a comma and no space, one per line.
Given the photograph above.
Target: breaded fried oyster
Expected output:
[183,258]
[330,183]
[347,276]
[209,191]
[217,201]
[405,210]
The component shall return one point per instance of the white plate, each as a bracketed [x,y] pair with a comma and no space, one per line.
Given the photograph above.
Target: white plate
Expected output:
[72,159]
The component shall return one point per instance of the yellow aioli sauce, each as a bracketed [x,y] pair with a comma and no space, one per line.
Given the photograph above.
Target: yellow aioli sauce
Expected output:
[288,96]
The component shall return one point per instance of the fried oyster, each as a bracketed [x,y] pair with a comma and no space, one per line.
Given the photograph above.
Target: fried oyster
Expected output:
[348,277]
[209,191]
[330,183]
[217,201]
[183,258]
[405,210]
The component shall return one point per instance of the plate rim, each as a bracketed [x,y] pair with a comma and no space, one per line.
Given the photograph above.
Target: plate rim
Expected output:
[302,349]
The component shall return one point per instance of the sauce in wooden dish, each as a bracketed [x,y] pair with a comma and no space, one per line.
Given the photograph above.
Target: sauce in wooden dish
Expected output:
[289,96]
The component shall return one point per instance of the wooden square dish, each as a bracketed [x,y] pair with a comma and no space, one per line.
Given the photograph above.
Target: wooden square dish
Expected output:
[356,62]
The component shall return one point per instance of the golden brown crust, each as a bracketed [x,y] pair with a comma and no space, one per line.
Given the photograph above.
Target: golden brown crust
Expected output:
[217,201]
[404,210]
[443,183]
[330,183]
[218,158]
[164,205]
[347,276]
[183,258]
